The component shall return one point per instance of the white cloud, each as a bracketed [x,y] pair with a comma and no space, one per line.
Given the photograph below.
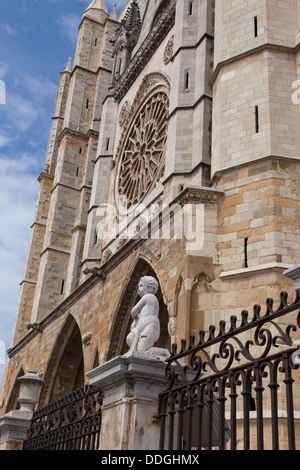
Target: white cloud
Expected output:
[3,69]
[39,87]
[18,193]
[4,140]
[68,26]
[8,29]
[21,113]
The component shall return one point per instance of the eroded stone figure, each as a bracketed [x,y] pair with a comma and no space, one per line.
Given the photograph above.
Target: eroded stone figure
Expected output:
[145,328]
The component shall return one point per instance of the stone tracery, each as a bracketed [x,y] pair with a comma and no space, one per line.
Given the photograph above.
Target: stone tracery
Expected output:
[142,157]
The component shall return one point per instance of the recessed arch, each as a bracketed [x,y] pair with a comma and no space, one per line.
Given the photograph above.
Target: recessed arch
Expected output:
[65,371]
[13,403]
[122,318]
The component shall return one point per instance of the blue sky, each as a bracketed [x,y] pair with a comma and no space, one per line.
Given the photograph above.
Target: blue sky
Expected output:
[36,39]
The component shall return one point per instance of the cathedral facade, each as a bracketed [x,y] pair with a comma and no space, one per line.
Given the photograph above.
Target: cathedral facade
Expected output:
[173,153]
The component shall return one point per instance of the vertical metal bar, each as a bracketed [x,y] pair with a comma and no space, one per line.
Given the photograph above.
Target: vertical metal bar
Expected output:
[162,404]
[162,432]
[288,380]
[273,385]
[180,429]
[246,393]
[210,402]
[171,430]
[180,412]
[233,397]
[200,422]
[190,428]
[259,409]
[190,408]
[222,401]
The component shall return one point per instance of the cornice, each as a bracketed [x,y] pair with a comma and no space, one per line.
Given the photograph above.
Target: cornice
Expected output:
[257,50]
[45,175]
[67,132]
[218,173]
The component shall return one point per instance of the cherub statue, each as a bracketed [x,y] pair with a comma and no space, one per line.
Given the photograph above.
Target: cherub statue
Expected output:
[145,328]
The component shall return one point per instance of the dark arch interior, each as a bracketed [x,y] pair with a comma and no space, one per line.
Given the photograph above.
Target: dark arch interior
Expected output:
[13,403]
[66,368]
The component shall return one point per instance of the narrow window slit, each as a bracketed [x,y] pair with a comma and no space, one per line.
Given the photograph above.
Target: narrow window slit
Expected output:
[256,120]
[246,252]
[187,80]
[62,287]
[255,27]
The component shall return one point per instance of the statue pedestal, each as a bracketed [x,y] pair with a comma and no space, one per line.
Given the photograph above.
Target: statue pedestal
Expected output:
[131,385]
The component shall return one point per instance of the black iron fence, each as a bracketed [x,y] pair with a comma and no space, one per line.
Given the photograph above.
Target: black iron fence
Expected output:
[70,423]
[235,388]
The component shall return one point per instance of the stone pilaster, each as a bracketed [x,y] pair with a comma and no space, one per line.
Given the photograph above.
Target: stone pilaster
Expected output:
[131,385]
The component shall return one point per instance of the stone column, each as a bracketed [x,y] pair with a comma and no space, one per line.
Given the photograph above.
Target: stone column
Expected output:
[131,385]
[15,424]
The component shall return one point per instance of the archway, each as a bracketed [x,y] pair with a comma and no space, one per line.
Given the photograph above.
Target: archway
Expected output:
[123,320]
[65,371]
[13,403]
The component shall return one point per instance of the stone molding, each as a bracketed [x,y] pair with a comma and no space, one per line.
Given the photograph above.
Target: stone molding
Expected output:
[67,132]
[135,371]
[147,49]
[257,50]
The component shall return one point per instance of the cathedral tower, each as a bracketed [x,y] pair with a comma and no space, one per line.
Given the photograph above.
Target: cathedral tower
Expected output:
[58,231]
[255,145]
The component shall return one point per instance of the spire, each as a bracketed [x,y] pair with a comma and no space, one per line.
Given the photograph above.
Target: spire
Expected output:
[113,14]
[69,65]
[140,3]
[132,16]
[98,5]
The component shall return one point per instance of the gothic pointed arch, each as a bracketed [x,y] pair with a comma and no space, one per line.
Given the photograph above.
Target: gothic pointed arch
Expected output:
[65,371]
[122,319]
[12,403]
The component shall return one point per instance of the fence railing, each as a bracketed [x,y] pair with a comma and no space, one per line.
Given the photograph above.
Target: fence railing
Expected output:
[235,387]
[70,423]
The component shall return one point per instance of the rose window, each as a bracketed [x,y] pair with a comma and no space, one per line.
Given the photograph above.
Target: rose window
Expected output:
[142,158]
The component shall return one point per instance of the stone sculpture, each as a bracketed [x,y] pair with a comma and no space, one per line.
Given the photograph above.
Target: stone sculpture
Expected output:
[145,328]
[95,271]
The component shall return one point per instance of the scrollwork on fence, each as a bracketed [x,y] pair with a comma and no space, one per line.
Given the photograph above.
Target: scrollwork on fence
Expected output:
[238,359]
[72,422]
